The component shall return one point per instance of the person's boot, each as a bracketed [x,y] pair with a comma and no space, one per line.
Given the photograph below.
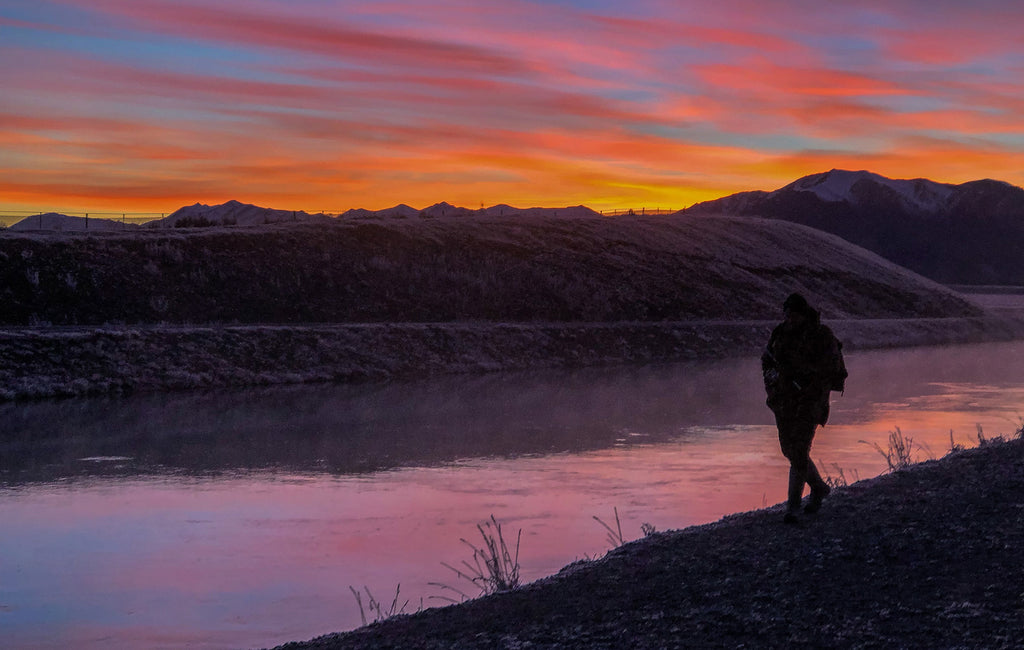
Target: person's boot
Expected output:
[817,496]
[819,489]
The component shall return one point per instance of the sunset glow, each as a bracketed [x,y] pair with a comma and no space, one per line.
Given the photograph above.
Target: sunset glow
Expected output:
[148,105]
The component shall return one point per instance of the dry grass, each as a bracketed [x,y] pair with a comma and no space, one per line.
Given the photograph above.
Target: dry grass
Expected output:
[983,440]
[492,568]
[614,536]
[899,453]
[839,479]
[377,610]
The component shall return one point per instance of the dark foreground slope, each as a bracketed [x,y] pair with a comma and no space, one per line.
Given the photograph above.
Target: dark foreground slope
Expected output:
[929,557]
[510,269]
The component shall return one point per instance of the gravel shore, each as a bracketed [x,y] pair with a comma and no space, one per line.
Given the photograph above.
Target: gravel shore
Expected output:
[927,557]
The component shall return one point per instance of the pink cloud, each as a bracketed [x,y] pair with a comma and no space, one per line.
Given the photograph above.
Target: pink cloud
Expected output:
[951,33]
[506,101]
[661,32]
[333,38]
[760,76]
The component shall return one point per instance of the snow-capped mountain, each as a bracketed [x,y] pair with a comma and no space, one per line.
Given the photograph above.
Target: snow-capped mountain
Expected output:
[966,234]
[445,209]
[232,213]
[838,185]
[400,211]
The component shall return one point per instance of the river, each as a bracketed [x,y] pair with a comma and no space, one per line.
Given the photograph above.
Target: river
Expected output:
[242,518]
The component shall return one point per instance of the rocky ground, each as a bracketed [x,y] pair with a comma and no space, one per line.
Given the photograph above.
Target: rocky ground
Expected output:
[927,557]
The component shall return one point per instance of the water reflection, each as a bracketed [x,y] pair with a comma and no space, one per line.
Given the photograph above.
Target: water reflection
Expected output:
[235,519]
[359,429]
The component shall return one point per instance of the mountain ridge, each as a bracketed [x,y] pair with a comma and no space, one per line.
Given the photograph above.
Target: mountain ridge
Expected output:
[837,185]
[958,234]
[966,234]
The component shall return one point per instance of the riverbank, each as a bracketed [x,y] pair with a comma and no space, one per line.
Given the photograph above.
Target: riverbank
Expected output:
[88,314]
[927,557]
[45,362]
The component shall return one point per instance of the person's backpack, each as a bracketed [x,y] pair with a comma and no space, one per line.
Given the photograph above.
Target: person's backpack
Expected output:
[837,381]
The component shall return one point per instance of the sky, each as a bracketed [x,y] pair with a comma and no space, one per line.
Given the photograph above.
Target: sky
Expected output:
[323,105]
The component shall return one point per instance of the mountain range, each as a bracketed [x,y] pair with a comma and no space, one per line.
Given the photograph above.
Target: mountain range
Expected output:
[955,234]
[242,214]
[970,233]
[236,213]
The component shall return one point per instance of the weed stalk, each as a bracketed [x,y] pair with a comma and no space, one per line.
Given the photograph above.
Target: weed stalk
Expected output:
[614,534]
[376,609]
[492,568]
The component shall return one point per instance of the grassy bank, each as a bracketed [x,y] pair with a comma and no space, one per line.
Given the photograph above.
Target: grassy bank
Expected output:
[927,557]
[454,270]
[95,313]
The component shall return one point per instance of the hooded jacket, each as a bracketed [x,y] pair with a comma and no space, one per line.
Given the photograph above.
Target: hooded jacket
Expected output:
[798,365]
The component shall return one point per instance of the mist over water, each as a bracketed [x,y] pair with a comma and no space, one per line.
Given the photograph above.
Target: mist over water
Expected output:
[241,518]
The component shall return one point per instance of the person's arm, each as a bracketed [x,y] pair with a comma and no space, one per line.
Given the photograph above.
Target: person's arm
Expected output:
[770,365]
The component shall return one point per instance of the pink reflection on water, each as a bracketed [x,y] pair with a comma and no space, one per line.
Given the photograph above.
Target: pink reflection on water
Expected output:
[287,550]
[258,558]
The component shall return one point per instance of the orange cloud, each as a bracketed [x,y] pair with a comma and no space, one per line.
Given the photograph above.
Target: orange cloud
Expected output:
[302,105]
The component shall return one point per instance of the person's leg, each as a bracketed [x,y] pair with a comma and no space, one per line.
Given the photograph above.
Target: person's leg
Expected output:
[814,479]
[795,439]
[819,488]
[797,479]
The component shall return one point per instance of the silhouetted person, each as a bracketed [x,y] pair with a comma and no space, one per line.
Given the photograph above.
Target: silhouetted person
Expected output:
[801,364]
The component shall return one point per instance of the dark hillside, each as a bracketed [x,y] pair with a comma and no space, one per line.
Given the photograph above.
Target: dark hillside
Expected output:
[444,270]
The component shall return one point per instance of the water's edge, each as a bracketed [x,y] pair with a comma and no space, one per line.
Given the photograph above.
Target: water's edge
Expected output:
[903,546]
[61,362]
